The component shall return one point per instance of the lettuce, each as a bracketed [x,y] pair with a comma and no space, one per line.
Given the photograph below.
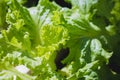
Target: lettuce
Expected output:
[59,43]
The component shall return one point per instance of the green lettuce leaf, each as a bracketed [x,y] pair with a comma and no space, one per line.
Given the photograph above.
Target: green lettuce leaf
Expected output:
[90,41]
[31,42]
[36,36]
